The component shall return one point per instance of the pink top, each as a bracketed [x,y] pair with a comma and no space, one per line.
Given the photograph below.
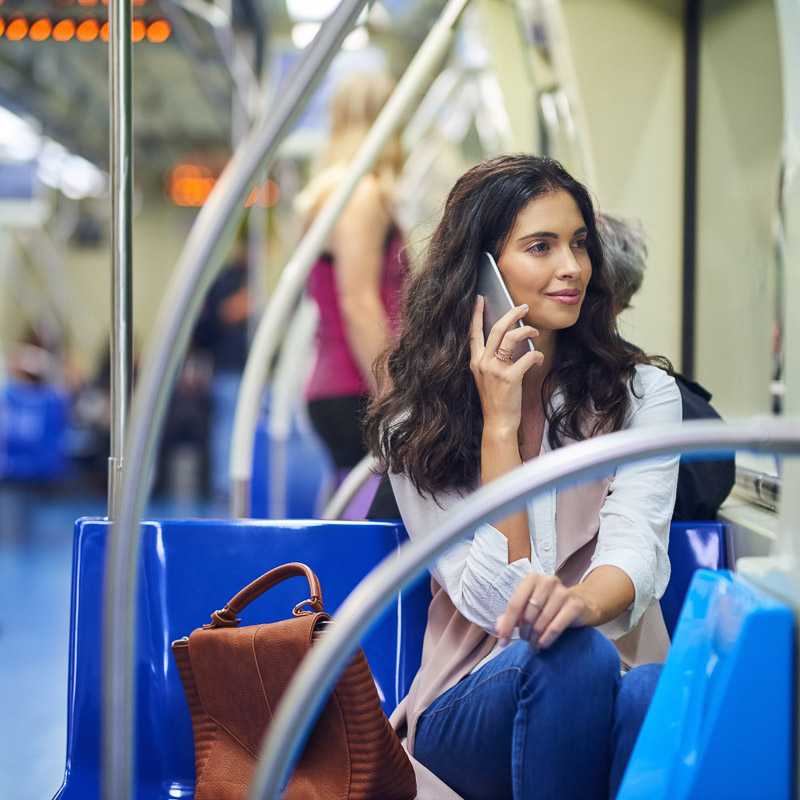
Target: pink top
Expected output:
[336,373]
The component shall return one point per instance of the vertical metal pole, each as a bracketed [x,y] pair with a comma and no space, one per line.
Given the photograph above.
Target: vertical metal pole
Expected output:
[120,84]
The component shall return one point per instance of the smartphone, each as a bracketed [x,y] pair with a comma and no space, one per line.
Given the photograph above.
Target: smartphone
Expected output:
[498,301]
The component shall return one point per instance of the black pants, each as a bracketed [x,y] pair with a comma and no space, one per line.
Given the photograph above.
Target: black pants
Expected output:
[337,421]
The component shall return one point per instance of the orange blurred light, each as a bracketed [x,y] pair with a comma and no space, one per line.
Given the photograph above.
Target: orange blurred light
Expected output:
[104,31]
[64,30]
[87,2]
[158,31]
[189,185]
[139,2]
[137,30]
[2,26]
[17,29]
[265,196]
[88,30]
[40,30]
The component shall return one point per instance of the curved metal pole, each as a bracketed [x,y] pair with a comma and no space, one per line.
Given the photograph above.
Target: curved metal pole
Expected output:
[321,668]
[294,274]
[349,487]
[568,78]
[121,338]
[202,255]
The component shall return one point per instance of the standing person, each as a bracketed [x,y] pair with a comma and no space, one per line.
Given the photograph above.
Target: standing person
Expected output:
[358,281]
[489,713]
[703,485]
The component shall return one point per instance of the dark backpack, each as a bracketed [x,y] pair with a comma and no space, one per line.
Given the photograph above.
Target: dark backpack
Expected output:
[702,485]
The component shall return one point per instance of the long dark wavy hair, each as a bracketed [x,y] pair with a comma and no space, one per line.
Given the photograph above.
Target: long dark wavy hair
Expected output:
[427,420]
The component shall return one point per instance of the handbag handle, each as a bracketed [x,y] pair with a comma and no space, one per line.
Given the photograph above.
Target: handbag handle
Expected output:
[226,617]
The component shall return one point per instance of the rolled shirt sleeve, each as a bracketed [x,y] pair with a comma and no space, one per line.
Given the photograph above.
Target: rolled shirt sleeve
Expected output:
[635,518]
[475,571]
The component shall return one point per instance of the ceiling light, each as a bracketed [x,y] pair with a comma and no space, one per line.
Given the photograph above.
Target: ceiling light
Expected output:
[17,29]
[88,30]
[64,30]
[137,30]
[310,10]
[40,30]
[303,33]
[159,31]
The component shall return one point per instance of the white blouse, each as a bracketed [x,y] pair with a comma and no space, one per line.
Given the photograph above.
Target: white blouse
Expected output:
[633,533]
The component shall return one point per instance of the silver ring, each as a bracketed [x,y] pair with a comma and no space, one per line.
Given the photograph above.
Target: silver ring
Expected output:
[533,603]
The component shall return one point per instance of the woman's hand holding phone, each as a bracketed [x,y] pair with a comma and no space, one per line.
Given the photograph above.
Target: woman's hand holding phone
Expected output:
[497,376]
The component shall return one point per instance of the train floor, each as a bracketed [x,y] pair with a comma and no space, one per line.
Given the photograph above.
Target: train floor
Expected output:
[35,567]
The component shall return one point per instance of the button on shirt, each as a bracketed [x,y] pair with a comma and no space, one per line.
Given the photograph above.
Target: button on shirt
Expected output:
[633,530]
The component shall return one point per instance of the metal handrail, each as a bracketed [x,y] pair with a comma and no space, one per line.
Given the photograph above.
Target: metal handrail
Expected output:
[350,486]
[294,274]
[321,668]
[205,248]
[120,90]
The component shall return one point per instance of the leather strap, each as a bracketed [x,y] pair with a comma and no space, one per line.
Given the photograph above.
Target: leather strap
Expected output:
[226,617]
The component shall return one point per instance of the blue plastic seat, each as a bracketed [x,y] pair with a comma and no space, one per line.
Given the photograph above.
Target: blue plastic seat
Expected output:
[33,421]
[721,724]
[189,569]
[692,546]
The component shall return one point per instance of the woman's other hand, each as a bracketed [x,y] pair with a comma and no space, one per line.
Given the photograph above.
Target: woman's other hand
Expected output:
[497,376]
[543,608]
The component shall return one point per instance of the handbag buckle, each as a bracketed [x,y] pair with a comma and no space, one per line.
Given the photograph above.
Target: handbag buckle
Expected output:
[313,601]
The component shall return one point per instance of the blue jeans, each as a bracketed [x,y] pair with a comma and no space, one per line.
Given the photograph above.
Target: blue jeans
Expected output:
[557,724]
[224,394]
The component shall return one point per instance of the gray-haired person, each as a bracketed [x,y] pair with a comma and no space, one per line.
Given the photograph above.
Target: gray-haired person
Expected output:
[702,485]
[625,249]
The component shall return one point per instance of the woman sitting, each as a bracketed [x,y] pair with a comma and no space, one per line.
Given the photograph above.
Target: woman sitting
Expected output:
[579,572]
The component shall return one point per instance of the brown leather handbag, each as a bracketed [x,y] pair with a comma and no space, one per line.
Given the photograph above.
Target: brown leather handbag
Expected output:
[234,678]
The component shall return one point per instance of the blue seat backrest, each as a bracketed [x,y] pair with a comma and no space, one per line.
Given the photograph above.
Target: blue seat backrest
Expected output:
[189,569]
[721,723]
[291,478]
[692,546]
[33,421]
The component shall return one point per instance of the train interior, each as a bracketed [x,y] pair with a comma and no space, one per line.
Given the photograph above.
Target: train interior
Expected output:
[147,473]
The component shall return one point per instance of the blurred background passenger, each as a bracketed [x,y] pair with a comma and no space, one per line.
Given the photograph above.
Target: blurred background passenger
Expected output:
[702,485]
[357,282]
[221,336]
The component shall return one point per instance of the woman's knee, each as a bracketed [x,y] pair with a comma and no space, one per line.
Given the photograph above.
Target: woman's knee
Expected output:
[636,691]
[577,652]
[588,649]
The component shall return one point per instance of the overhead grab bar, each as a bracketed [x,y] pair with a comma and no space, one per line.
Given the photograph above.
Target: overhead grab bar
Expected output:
[294,274]
[205,248]
[321,668]
[350,486]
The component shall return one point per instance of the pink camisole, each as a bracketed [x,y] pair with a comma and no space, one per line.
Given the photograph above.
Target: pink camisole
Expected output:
[336,373]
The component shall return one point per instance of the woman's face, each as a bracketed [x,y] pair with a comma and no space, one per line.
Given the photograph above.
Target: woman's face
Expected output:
[545,262]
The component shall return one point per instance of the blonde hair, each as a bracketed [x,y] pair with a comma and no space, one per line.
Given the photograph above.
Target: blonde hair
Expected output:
[354,107]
